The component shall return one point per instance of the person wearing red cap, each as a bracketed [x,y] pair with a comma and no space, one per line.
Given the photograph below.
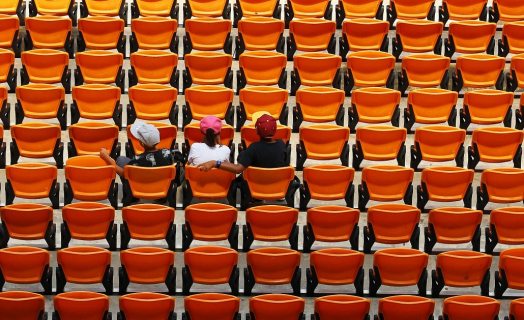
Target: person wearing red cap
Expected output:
[210,148]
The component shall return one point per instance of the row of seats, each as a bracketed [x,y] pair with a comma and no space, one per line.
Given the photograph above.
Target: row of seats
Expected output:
[75,305]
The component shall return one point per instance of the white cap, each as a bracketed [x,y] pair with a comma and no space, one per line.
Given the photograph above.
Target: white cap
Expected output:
[148,134]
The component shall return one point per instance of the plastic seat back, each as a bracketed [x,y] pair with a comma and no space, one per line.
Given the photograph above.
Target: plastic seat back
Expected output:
[271,223]
[311,34]
[9,7]
[167,137]
[149,183]
[210,264]
[511,263]
[328,182]
[332,223]
[103,7]
[516,308]
[90,137]
[209,185]
[375,105]
[207,8]
[425,70]
[80,172]
[257,8]
[464,307]
[27,221]
[387,183]
[419,35]
[504,185]
[154,33]
[463,268]
[148,221]
[432,105]
[409,9]
[406,307]
[96,101]
[88,220]
[308,8]
[454,224]
[208,67]
[208,34]
[81,305]
[439,143]
[101,33]
[161,8]
[262,68]
[338,306]
[509,223]
[84,265]
[324,141]
[365,34]
[209,100]
[21,305]
[48,32]
[370,68]
[248,134]
[380,142]
[154,66]
[7,60]
[269,99]
[31,180]
[355,9]
[508,10]
[488,106]
[152,101]
[336,266]
[45,65]
[393,223]
[273,266]
[146,305]
[496,144]
[8,30]
[465,10]
[517,70]
[210,221]
[400,266]
[40,101]
[193,134]
[319,104]
[211,305]
[446,184]
[260,33]
[147,265]
[480,70]
[52,8]
[23,265]
[471,36]
[269,306]
[511,36]
[99,66]
[317,69]
[269,184]
[36,140]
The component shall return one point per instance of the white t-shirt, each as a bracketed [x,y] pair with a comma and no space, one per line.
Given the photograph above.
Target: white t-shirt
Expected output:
[201,152]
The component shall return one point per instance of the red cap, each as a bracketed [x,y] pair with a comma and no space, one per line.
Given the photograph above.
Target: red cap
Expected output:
[266,125]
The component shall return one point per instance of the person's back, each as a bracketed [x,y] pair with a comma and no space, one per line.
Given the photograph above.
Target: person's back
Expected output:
[264,154]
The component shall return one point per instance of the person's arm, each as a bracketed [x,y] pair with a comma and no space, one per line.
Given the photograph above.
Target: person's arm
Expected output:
[104,154]
[226,166]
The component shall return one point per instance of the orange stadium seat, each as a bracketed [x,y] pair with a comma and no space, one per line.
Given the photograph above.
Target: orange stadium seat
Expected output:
[392,224]
[147,222]
[463,10]
[147,265]
[154,8]
[207,9]
[302,9]
[154,33]
[506,10]
[310,35]
[331,224]
[486,107]
[438,144]
[262,68]
[424,71]
[339,306]
[54,8]
[406,307]
[369,69]
[445,184]
[211,305]
[478,71]
[466,306]
[379,143]
[410,10]
[515,309]
[27,221]
[152,102]
[256,8]
[45,66]
[10,33]
[494,145]
[208,34]
[259,33]
[269,306]
[363,34]
[509,272]
[272,266]
[202,101]
[385,183]
[146,305]
[326,183]
[315,69]
[105,8]
[271,223]
[49,32]
[207,68]
[248,135]
[149,183]
[374,105]
[192,133]
[100,67]
[322,142]
[510,41]
[470,37]
[261,98]
[505,226]
[317,105]
[26,265]
[398,267]
[41,101]
[461,269]
[453,225]
[153,67]
[210,222]
[210,265]
[84,265]
[14,7]
[335,267]
[89,178]
[101,33]
[515,78]
[268,184]
[418,36]
[500,185]
[81,305]
[357,9]
[87,138]
[167,139]
[96,102]
[8,73]
[88,221]
[208,186]
[32,181]
[37,140]
[430,106]
[20,305]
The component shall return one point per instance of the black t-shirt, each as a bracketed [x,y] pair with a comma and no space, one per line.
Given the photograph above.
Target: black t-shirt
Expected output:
[157,158]
[264,155]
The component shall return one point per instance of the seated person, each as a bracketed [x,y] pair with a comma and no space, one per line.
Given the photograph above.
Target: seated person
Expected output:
[210,148]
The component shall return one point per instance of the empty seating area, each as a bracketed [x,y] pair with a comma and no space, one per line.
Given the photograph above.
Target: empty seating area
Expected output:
[403,193]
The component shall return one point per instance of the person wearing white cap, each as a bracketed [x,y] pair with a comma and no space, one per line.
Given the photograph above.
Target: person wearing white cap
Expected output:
[148,137]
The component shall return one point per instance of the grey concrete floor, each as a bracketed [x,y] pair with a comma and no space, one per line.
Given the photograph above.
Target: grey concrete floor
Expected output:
[179,218]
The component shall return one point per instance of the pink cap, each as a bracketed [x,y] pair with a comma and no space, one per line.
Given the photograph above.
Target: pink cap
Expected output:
[211,122]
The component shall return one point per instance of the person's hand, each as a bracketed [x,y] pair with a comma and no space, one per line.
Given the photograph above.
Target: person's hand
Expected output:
[104,154]
[206,166]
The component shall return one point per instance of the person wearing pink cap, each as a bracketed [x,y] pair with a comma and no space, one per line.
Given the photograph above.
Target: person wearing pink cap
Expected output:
[210,148]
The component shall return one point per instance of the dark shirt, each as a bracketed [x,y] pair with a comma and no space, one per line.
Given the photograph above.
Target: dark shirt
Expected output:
[157,158]
[264,155]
